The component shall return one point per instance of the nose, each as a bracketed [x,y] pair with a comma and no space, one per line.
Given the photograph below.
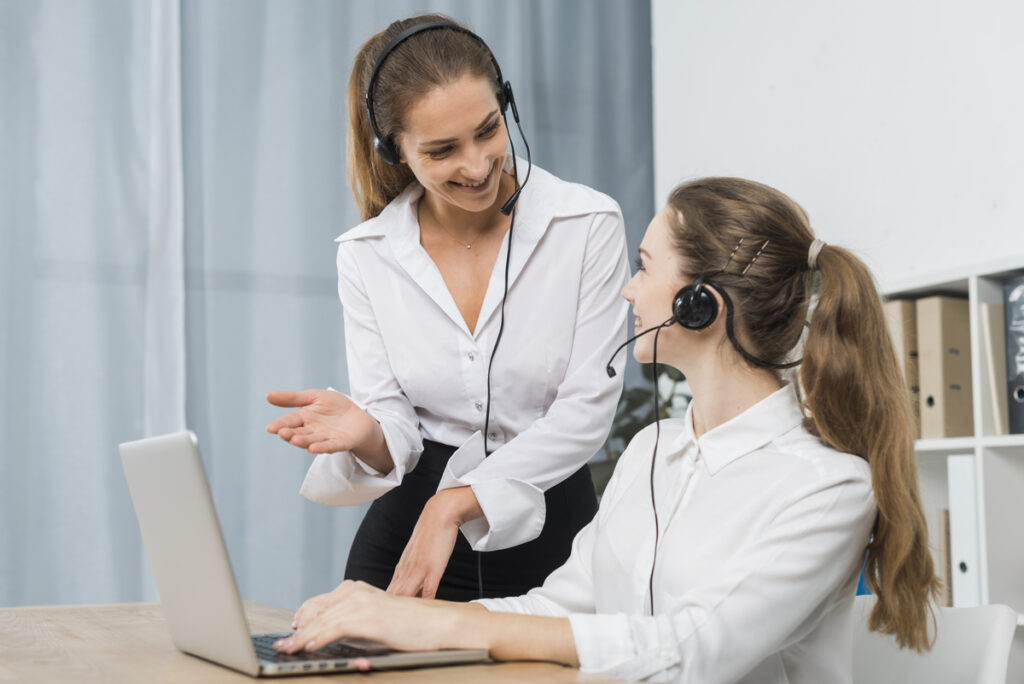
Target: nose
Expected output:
[476,163]
[627,292]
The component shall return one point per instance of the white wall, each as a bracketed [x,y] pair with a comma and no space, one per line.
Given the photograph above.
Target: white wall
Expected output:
[899,126]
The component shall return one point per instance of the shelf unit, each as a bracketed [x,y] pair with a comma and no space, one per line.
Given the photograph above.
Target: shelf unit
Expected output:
[999,459]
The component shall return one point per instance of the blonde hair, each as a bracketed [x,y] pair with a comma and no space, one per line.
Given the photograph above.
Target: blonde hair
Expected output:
[847,346]
[417,65]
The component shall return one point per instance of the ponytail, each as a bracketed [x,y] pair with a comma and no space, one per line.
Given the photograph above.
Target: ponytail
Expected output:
[374,182]
[858,403]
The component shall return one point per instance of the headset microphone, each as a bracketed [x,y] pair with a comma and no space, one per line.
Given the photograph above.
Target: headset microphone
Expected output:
[609,369]
[510,100]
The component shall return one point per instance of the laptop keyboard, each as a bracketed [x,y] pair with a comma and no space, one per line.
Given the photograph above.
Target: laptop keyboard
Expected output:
[264,644]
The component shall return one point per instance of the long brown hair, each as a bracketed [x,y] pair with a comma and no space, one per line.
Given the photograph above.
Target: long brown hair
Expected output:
[417,65]
[854,395]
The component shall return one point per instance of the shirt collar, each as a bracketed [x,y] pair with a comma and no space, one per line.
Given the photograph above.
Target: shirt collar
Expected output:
[762,423]
[542,200]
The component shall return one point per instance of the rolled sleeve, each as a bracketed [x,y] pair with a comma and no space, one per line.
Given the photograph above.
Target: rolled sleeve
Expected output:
[341,479]
[626,646]
[568,589]
[513,509]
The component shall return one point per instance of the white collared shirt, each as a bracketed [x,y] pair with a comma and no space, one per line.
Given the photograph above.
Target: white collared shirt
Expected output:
[763,533]
[415,366]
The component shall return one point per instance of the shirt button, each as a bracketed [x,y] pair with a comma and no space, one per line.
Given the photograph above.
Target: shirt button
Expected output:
[479,405]
[471,356]
[493,436]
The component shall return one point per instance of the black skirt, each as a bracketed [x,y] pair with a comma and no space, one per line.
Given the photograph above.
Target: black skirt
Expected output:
[389,523]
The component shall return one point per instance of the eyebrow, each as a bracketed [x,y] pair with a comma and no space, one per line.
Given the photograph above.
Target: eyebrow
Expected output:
[644,252]
[445,141]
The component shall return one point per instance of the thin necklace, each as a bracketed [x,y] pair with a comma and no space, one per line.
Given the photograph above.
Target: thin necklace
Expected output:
[467,245]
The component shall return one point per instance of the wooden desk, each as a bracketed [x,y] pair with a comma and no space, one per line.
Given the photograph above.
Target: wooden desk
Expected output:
[129,642]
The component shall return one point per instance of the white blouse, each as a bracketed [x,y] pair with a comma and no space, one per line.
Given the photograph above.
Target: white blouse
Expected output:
[414,365]
[763,533]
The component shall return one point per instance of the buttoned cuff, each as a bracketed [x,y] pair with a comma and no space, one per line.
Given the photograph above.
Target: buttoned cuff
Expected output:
[627,646]
[342,479]
[514,510]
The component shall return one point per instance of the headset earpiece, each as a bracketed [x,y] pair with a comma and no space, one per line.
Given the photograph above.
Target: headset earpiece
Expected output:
[506,98]
[387,150]
[694,307]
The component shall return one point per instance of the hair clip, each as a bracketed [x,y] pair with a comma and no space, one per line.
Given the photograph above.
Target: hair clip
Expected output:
[744,272]
[731,255]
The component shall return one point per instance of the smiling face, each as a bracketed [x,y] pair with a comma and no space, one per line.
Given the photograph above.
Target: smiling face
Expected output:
[652,288]
[455,142]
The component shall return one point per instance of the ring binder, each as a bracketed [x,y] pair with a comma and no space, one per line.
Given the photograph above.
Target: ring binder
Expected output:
[1013,290]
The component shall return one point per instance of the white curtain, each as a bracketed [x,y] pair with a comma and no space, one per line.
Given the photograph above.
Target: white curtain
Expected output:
[171,180]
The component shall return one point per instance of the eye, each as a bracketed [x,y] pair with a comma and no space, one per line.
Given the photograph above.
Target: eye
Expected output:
[439,153]
[489,131]
[639,263]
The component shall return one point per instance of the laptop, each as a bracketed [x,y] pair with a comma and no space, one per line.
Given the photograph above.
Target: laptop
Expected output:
[197,587]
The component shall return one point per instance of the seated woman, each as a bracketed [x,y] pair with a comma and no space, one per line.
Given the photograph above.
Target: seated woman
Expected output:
[764,497]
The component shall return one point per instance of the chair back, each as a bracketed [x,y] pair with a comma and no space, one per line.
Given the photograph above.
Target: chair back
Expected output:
[972,645]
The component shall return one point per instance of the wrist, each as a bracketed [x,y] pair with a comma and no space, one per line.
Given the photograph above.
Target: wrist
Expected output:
[457,505]
[373,450]
[470,627]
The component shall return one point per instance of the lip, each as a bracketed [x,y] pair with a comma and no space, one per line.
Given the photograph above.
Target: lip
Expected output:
[481,189]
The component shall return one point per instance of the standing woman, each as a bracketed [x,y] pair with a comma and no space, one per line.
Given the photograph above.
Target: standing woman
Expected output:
[478,311]
[728,543]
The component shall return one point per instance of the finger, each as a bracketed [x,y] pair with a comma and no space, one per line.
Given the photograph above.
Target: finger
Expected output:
[288,433]
[288,398]
[314,607]
[303,437]
[329,446]
[430,584]
[289,420]
[405,584]
[307,611]
[325,629]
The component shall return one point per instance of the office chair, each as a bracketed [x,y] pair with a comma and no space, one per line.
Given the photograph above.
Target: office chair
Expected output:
[972,646]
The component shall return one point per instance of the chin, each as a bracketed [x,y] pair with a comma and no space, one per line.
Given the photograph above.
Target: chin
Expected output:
[475,204]
[642,355]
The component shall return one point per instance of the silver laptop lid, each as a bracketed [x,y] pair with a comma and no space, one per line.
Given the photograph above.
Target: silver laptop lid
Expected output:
[186,550]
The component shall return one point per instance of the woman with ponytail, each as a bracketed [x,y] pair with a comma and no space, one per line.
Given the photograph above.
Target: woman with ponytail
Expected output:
[728,545]
[445,428]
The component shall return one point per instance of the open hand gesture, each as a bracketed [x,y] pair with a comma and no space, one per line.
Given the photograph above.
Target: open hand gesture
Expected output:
[325,421]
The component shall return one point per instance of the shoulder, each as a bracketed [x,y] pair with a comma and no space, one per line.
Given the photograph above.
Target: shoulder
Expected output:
[371,228]
[635,460]
[809,465]
[641,447]
[565,199]
[396,215]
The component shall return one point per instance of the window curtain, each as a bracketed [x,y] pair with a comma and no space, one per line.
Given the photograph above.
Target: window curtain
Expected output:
[172,178]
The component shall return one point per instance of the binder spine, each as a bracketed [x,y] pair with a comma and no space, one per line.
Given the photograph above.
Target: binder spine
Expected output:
[963,531]
[1013,290]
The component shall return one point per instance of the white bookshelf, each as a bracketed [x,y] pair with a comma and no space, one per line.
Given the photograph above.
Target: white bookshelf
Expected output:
[999,459]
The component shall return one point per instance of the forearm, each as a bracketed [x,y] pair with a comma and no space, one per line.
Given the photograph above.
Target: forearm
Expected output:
[508,636]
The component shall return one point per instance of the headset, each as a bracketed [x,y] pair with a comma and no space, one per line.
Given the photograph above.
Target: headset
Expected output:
[385,143]
[694,308]
[388,151]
